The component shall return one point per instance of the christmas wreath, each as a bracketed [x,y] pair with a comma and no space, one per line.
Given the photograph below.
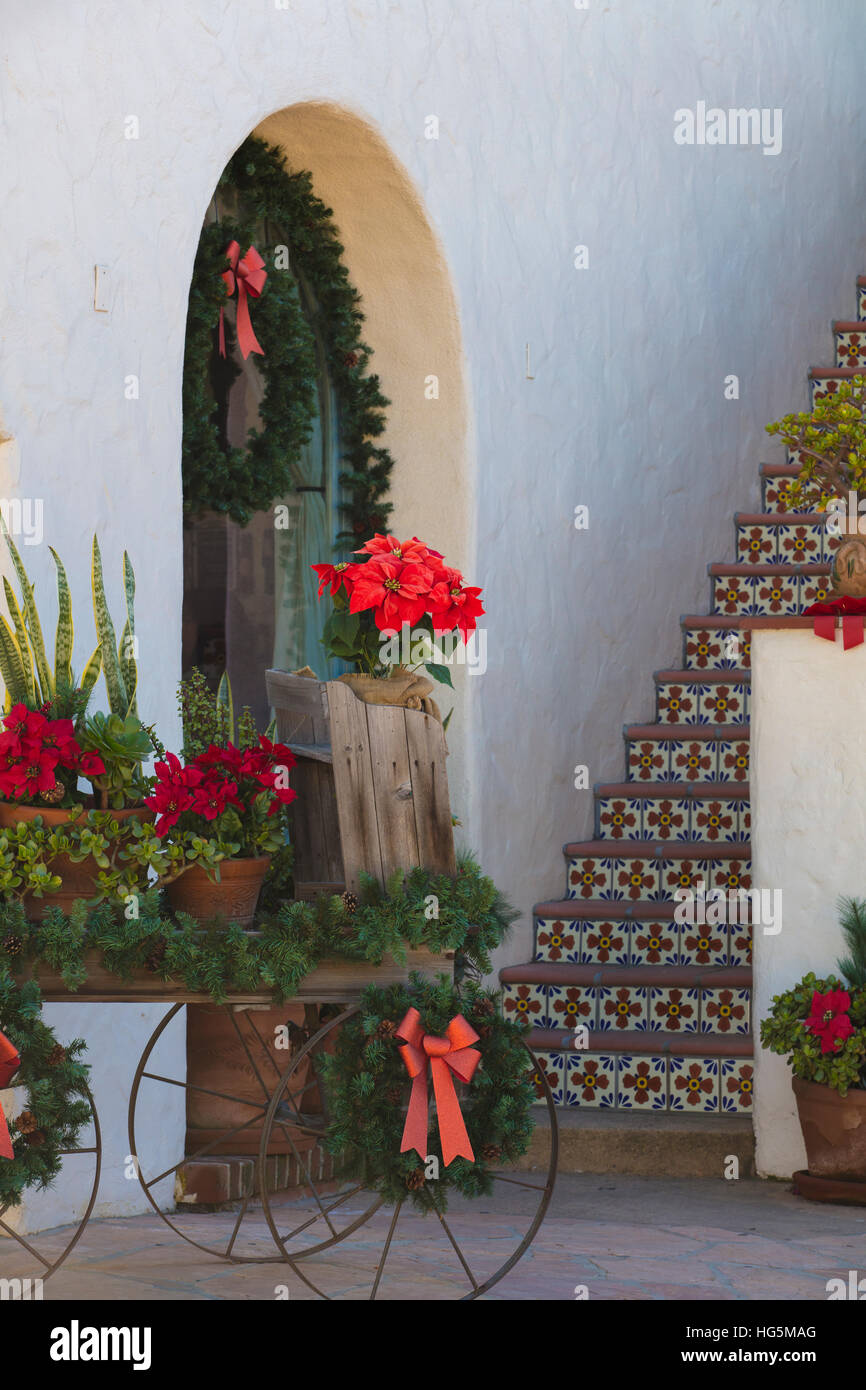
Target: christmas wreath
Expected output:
[372,1096]
[55,1080]
[276,210]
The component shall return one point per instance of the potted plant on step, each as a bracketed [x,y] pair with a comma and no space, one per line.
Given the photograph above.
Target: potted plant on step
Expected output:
[820,1026]
[396,612]
[224,808]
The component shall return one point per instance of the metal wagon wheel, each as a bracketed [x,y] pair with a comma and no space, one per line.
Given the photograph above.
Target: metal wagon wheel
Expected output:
[160,1171]
[25,1259]
[307,1228]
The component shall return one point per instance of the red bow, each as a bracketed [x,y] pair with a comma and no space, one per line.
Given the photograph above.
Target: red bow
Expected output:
[248,274]
[851,611]
[9,1064]
[452,1053]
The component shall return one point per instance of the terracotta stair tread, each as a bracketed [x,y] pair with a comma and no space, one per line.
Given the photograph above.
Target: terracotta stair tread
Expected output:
[778,470]
[605,910]
[742,571]
[681,733]
[669,1044]
[681,791]
[849,326]
[656,849]
[724,621]
[834,373]
[547,972]
[778,518]
[737,675]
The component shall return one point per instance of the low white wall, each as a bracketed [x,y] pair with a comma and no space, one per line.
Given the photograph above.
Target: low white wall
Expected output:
[808,760]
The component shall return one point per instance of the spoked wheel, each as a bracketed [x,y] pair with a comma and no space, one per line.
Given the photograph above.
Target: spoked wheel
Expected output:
[351,1244]
[25,1259]
[218,1111]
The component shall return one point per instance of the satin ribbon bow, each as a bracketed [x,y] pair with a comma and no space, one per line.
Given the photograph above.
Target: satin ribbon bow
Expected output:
[453,1053]
[824,616]
[9,1064]
[247,274]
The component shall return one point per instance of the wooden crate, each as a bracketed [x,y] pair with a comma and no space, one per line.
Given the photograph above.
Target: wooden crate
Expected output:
[371,783]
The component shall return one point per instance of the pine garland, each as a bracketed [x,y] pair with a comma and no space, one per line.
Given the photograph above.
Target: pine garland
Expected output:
[241,481]
[54,1078]
[368,1091]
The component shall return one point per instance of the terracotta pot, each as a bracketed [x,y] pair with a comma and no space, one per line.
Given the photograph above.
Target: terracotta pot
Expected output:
[849,567]
[834,1130]
[79,880]
[234,897]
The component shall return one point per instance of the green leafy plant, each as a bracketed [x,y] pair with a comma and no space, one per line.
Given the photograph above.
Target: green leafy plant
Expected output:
[831,442]
[118,660]
[209,718]
[124,745]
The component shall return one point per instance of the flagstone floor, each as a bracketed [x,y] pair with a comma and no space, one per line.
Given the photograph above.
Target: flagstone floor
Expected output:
[619,1237]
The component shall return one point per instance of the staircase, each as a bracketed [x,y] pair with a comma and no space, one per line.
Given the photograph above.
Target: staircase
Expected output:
[630,1010]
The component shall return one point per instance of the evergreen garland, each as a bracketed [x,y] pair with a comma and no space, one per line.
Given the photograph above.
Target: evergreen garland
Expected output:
[241,481]
[368,1091]
[54,1078]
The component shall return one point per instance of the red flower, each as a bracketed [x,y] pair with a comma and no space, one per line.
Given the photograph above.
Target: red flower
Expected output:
[34,774]
[414,552]
[335,575]
[397,590]
[452,604]
[829,1019]
[91,765]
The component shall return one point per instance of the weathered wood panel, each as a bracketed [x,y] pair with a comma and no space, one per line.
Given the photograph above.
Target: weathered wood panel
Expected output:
[392,788]
[425,741]
[353,783]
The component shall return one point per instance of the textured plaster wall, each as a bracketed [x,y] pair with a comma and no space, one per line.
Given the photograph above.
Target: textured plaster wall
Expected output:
[556,129]
[809,839]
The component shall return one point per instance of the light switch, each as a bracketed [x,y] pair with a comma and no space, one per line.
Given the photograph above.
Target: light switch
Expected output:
[101,289]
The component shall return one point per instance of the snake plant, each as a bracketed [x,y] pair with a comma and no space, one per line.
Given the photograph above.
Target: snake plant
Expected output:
[118,661]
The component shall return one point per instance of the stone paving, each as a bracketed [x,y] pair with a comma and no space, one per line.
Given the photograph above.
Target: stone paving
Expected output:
[620,1237]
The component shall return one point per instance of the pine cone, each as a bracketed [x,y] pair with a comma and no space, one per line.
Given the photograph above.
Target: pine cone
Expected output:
[387,1028]
[36,1139]
[12,944]
[415,1179]
[56,1055]
[27,1122]
[351,359]
[484,1031]
[350,903]
[490,1153]
[157,954]
[54,794]
[485,1008]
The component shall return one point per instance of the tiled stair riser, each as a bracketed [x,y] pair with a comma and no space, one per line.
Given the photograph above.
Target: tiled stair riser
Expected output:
[861,302]
[850,348]
[784,543]
[762,595]
[607,1081]
[688,760]
[628,878]
[702,702]
[722,821]
[715,649]
[638,943]
[634,1008]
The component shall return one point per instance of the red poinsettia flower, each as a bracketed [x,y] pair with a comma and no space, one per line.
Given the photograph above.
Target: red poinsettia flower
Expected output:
[414,552]
[829,1019]
[25,723]
[34,774]
[335,575]
[90,765]
[395,589]
[453,604]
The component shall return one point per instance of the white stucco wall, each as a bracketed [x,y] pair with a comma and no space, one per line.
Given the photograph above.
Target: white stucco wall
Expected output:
[808,835]
[556,129]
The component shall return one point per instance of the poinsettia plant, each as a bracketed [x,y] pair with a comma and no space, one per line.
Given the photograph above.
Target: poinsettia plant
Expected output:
[41,760]
[227,796]
[820,1024]
[397,588]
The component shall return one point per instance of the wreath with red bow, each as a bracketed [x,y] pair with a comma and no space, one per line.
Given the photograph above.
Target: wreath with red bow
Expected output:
[406,1046]
[52,1109]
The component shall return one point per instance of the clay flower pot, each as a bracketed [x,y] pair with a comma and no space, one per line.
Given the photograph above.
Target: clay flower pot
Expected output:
[234,897]
[79,880]
[849,568]
[834,1130]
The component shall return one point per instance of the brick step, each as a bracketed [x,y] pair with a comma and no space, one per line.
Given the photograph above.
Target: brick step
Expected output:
[679,811]
[666,1007]
[713,643]
[770,590]
[783,538]
[682,698]
[708,1074]
[228,1178]
[680,752]
[602,870]
[850,339]
[638,1143]
[600,934]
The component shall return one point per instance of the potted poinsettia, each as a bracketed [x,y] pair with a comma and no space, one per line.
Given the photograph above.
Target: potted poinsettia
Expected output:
[396,612]
[224,808]
[820,1025]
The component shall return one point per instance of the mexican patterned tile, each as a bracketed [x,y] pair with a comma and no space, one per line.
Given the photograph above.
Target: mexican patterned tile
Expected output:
[704,649]
[801,545]
[552,1066]
[813,589]
[756,545]
[777,594]
[850,349]
[696,761]
[723,703]
[739,944]
[733,594]
[642,1083]
[619,818]
[590,1080]
[676,704]
[634,879]
[648,761]
[703,945]
[737,1085]
[730,874]
[673,1010]
[557,940]
[666,819]
[526,1003]
[654,943]
[622,1008]
[569,1005]
[693,1084]
[861,302]
[605,943]
[725,1010]
[589,878]
[733,763]
[681,873]
[716,821]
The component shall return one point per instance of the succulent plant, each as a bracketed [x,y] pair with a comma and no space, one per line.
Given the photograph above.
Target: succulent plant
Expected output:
[124,745]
